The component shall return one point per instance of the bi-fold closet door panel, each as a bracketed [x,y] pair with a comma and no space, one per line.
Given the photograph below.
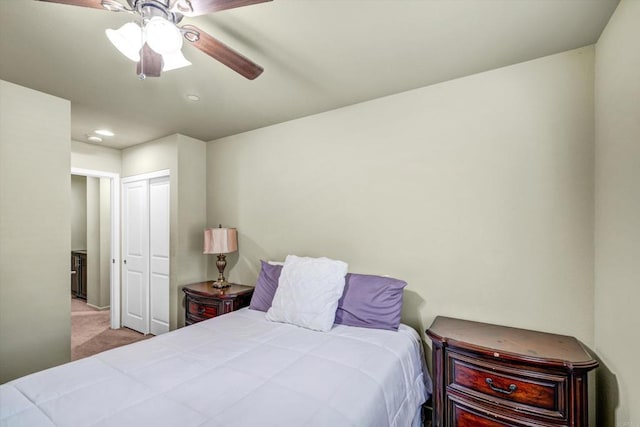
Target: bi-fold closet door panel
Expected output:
[159,255]
[135,243]
[145,296]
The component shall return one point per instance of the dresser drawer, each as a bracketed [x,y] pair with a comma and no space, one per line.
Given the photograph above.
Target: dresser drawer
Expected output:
[469,416]
[523,389]
[464,418]
[203,310]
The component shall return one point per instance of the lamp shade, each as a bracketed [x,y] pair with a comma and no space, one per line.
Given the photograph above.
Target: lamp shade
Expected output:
[174,61]
[127,39]
[162,36]
[220,240]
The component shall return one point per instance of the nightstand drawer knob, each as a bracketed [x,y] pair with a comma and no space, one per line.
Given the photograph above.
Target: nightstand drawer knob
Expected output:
[512,387]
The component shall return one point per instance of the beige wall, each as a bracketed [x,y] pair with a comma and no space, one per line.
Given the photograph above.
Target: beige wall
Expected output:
[93,241]
[35,200]
[617,217]
[183,156]
[105,243]
[478,192]
[78,212]
[191,218]
[95,157]
[98,242]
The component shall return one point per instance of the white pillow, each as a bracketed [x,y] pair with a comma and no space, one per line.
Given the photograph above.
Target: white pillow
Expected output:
[308,292]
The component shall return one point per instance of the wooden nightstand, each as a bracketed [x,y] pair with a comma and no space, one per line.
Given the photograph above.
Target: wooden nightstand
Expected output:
[495,376]
[203,301]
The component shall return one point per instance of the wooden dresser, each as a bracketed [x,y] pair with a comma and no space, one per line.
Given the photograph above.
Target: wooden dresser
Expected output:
[203,301]
[495,376]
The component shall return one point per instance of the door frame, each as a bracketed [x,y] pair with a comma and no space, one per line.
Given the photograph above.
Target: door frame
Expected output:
[114,301]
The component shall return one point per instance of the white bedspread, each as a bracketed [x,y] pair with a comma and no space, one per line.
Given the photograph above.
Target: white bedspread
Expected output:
[235,370]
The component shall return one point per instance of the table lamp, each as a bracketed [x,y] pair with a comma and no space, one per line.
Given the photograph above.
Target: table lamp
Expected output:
[220,241]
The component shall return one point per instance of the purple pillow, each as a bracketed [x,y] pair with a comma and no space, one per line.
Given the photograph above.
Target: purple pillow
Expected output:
[371,302]
[266,286]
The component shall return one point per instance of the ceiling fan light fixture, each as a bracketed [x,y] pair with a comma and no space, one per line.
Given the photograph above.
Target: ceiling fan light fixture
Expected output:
[173,61]
[127,39]
[163,36]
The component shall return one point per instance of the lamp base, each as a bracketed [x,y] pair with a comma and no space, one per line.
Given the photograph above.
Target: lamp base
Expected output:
[220,284]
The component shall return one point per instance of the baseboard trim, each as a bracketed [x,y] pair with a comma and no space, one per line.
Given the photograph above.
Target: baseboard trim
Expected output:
[99,308]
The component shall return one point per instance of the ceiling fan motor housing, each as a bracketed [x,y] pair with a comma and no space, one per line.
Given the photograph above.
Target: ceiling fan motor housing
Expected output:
[152,8]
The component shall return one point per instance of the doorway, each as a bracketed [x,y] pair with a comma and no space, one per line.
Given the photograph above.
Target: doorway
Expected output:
[103,280]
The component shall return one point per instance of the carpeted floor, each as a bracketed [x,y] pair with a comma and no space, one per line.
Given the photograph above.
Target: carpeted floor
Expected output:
[90,332]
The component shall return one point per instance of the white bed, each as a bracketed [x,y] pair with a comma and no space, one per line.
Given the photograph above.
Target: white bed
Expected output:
[234,370]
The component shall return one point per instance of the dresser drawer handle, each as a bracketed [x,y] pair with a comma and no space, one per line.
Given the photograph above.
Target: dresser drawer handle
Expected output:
[201,310]
[512,387]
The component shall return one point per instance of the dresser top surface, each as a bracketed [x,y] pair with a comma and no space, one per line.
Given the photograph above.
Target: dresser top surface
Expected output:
[207,289]
[519,343]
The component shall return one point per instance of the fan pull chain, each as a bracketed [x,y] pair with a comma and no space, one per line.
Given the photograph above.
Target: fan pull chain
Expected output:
[142,76]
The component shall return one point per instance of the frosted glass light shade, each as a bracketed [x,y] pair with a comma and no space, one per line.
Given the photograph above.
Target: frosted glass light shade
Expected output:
[127,39]
[220,240]
[163,36]
[174,60]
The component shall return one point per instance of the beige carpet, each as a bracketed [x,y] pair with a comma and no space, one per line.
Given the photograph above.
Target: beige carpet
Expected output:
[91,334]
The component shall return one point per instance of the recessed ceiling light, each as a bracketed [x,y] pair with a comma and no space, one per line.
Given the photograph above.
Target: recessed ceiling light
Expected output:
[104,132]
[94,138]
[194,98]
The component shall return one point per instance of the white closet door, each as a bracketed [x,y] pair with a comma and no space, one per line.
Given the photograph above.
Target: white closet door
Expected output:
[159,254]
[135,242]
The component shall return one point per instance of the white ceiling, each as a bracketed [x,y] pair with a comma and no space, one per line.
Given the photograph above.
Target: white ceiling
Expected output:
[317,54]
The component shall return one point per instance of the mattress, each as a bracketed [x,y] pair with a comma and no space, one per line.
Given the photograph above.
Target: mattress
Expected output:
[234,370]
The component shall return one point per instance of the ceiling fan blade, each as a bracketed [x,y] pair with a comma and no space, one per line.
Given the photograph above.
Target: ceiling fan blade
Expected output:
[221,52]
[96,4]
[202,7]
[150,64]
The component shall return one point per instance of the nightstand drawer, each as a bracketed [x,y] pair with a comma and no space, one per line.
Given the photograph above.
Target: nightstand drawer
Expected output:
[525,389]
[464,416]
[203,310]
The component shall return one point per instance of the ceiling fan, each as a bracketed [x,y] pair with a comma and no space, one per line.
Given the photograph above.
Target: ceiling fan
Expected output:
[155,40]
